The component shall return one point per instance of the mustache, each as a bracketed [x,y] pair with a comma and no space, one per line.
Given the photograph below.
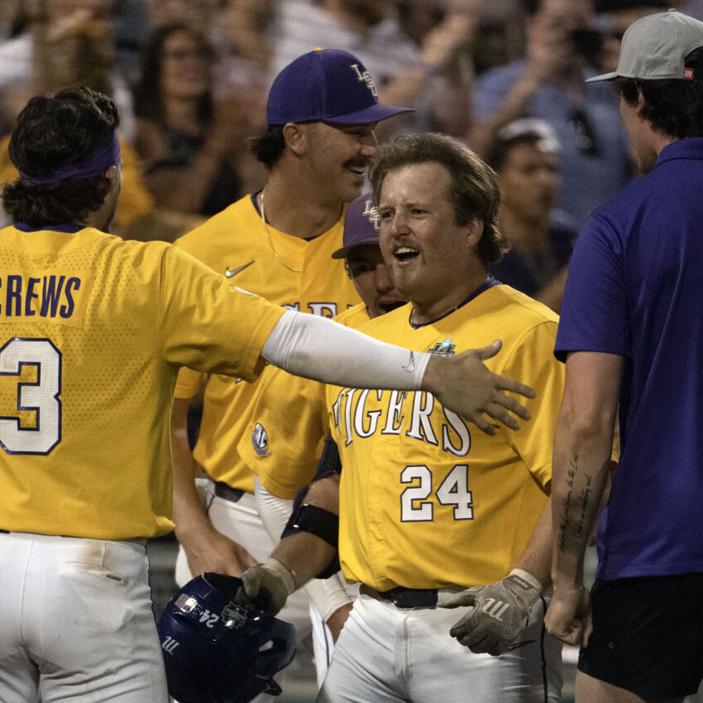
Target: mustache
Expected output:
[356,163]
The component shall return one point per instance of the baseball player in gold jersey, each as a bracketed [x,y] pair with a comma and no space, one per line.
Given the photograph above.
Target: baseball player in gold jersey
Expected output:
[322,110]
[297,423]
[93,331]
[431,512]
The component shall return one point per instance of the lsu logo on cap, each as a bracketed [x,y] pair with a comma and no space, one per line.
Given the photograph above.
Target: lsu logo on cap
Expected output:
[365,76]
[371,213]
[260,440]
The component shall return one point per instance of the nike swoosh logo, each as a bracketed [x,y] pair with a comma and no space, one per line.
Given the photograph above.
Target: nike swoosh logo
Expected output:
[231,273]
[410,367]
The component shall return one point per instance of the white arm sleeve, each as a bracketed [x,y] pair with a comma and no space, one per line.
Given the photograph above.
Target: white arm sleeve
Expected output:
[321,349]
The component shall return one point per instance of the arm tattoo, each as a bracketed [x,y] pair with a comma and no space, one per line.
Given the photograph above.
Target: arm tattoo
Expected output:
[568,525]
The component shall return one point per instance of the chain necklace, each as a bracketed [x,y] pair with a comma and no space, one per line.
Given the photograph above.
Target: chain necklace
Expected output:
[280,259]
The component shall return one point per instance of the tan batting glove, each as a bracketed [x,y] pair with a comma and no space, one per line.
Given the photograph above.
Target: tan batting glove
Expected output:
[501,612]
[268,585]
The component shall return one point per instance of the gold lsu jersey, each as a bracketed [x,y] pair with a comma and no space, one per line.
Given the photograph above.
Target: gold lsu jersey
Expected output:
[285,436]
[286,270]
[92,332]
[426,499]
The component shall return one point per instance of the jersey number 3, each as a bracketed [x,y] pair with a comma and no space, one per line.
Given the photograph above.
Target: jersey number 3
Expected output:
[37,398]
[454,490]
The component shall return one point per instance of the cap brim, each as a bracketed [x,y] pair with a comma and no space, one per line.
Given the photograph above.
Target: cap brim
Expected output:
[342,253]
[603,77]
[372,113]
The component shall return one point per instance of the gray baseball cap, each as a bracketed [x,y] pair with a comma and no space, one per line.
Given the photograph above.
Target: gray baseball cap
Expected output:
[655,47]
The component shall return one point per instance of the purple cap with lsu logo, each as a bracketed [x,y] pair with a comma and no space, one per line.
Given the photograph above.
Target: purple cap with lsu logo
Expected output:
[326,85]
[360,225]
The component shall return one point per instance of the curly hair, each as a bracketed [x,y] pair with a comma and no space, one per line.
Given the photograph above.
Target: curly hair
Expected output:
[672,106]
[474,190]
[52,133]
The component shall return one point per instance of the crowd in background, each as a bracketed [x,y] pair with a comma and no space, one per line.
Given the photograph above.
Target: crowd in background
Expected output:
[191,76]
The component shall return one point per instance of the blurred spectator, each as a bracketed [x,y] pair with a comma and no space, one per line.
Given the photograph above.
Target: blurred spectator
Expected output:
[562,51]
[56,29]
[405,73]
[197,14]
[524,155]
[244,27]
[189,143]
[70,44]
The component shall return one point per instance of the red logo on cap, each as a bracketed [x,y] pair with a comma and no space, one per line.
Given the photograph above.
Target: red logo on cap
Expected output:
[688,74]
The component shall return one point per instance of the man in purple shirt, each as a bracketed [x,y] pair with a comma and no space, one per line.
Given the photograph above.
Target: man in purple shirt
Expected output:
[631,332]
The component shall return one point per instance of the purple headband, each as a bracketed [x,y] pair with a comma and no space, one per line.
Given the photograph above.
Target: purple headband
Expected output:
[96,164]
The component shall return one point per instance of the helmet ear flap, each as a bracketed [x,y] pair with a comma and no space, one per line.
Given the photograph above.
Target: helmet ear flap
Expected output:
[219,649]
[277,649]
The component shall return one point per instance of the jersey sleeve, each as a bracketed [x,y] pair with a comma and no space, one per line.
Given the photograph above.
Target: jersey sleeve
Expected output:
[290,412]
[594,313]
[532,359]
[209,325]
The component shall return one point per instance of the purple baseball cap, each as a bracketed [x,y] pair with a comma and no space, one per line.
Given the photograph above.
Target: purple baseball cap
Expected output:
[326,85]
[360,225]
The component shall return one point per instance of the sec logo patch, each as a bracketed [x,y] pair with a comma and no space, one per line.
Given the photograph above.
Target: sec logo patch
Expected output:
[260,440]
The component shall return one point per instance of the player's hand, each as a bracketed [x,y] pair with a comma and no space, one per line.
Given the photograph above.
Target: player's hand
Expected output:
[500,614]
[569,615]
[268,585]
[464,385]
[210,550]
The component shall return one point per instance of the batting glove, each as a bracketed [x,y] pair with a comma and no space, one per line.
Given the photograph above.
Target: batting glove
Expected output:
[501,611]
[268,585]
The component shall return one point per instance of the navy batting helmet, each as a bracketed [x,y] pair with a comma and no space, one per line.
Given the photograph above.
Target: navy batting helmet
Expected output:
[219,649]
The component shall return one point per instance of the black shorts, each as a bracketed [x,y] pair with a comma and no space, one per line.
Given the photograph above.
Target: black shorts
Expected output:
[647,635]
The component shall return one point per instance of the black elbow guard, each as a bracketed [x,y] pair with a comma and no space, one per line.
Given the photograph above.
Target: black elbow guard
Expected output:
[321,523]
[317,521]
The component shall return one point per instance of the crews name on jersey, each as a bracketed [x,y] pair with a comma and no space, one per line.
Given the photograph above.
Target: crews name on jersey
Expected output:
[362,413]
[48,296]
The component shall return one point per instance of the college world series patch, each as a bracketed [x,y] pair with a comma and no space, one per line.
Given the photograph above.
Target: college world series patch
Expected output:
[444,348]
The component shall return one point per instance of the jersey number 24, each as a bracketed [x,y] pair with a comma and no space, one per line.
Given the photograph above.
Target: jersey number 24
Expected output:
[453,490]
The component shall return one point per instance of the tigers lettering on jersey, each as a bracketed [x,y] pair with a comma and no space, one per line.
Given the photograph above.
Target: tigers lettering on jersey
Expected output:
[357,415]
[53,297]
[420,480]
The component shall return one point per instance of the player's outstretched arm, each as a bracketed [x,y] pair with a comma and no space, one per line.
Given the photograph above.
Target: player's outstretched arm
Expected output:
[311,346]
[206,549]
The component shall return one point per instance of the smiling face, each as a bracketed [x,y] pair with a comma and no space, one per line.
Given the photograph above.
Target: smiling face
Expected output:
[432,259]
[337,157]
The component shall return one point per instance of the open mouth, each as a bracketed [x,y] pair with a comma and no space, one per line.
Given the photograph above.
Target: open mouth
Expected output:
[405,254]
[389,305]
[356,166]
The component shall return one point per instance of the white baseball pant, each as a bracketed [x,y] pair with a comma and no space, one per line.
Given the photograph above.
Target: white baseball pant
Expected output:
[387,654]
[77,623]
